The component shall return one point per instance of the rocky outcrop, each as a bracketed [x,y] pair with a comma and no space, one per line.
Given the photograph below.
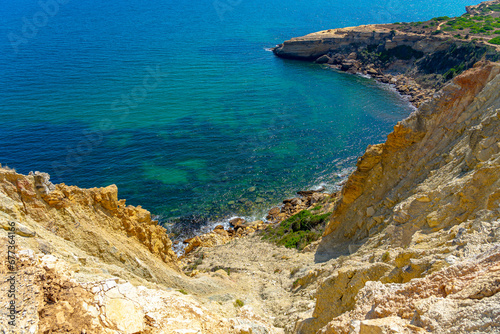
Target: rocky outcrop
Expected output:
[360,49]
[347,40]
[292,206]
[51,300]
[417,63]
[412,244]
[462,298]
[416,204]
[242,228]
[428,173]
[81,261]
[479,9]
[93,219]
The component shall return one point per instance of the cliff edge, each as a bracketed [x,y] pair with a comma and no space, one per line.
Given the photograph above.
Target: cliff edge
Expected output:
[418,222]
[82,261]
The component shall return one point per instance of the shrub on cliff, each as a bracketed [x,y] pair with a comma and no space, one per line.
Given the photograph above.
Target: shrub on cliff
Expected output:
[299,230]
[495,40]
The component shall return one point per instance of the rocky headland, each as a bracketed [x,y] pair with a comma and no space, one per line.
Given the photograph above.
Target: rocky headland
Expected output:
[411,244]
[418,58]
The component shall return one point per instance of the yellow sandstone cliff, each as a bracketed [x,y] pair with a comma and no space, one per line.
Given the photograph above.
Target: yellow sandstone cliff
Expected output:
[425,200]
[87,263]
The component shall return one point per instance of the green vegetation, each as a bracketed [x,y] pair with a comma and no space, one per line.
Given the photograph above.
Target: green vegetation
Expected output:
[492,8]
[184,292]
[441,18]
[454,71]
[403,52]
[297,231]
[485,23]
[239,303]
[495,40]
[458,57]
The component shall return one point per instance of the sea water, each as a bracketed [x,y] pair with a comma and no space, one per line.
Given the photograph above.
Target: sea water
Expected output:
[182,105]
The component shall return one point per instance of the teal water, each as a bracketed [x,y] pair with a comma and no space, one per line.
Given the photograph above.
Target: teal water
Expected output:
[180,103]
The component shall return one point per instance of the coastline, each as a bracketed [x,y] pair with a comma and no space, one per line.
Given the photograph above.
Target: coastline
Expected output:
[409,244]
[417,58]
[358,50]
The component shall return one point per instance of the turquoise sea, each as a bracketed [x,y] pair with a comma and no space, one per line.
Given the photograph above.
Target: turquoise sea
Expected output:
[181,104]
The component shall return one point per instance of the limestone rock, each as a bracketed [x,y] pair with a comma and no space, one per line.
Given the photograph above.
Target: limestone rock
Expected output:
[123,314]
[433,202]
[324,59]
[93,219]
[442,302]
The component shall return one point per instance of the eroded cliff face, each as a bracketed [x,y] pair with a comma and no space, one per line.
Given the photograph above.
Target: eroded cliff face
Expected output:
[87,263]
[421,211]
[94,220]
[417,61]
[440,167]
[346,40]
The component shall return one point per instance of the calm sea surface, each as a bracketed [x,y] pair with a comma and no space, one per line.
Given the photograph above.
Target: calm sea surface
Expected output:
[180,103]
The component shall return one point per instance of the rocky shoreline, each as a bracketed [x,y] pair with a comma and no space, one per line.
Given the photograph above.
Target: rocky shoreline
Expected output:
[404,85]
[239,227]
[418,59]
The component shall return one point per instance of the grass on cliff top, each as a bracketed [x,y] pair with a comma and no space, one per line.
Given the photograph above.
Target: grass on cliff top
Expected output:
[495,40]
[299,230]
[485,22]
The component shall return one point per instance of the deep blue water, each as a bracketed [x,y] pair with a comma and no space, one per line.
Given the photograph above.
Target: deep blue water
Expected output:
[180,104]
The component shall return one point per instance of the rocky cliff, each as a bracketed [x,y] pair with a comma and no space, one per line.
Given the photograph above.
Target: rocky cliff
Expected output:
[418,58]
[425,199]
[347,40]
[81,261]
[411,245]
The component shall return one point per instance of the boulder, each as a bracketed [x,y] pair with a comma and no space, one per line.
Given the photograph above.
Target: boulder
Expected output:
[125,315]
[42,182]
[192,244]
[273,213]
[236,222]
[324,59]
